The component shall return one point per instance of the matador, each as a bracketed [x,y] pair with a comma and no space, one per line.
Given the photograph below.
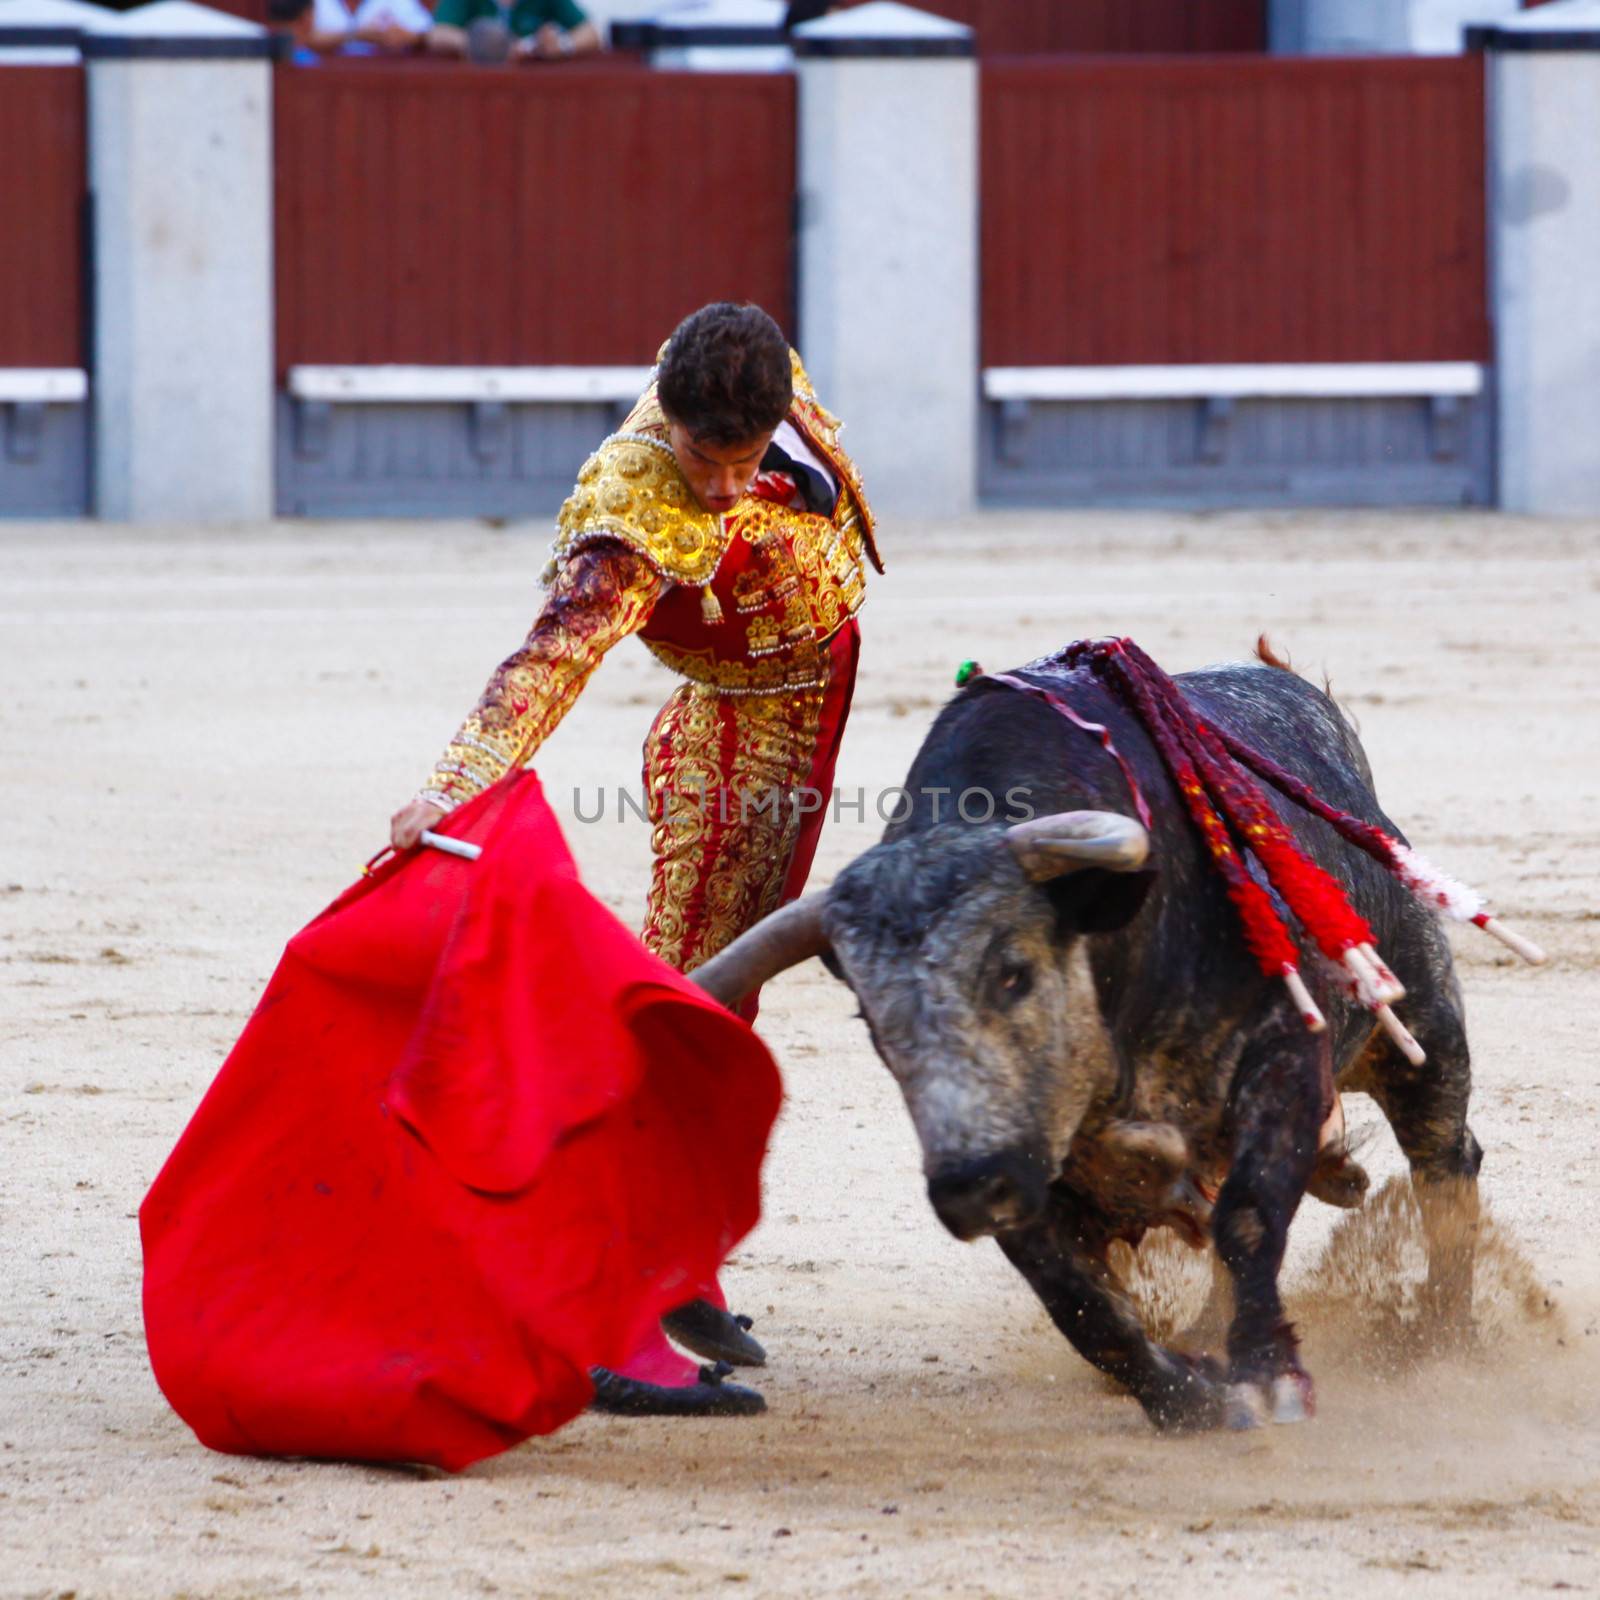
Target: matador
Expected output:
[726,527]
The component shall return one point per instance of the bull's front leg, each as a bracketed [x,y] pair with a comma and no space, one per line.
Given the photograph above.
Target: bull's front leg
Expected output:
[1063,1257]
[1275,1110]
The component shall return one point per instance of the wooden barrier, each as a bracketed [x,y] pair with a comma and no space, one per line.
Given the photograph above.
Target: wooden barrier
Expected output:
[1235,211]
[1098,27]
[42,189]
[453,215]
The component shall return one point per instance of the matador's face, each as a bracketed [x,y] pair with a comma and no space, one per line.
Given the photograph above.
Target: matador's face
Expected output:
[719,474]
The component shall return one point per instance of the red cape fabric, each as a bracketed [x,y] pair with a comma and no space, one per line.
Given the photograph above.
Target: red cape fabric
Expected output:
[474,1141]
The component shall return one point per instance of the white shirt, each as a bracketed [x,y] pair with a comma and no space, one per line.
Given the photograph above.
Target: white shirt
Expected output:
[334,17]
[792,442]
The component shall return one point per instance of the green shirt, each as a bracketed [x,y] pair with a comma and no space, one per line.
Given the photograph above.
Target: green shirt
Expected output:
[527,16]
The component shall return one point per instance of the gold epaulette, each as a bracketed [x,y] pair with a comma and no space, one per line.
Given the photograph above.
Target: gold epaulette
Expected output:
[815,420]
[803,387]
[631,490]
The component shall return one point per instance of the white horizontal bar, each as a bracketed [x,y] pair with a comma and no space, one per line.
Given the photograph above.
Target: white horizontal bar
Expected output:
[1275,381]
[552,385]
[37,55]
[46,385]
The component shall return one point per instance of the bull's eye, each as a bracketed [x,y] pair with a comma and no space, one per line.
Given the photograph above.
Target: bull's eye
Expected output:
[1013,981]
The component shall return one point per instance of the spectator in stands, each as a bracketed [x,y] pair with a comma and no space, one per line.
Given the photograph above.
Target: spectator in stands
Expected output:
[541,30]
[368,27]
[292,19]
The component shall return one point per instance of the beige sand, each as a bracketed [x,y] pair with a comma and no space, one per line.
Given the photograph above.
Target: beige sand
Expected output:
[204,734]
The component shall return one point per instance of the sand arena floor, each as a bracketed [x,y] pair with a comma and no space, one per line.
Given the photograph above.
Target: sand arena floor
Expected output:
[204,735]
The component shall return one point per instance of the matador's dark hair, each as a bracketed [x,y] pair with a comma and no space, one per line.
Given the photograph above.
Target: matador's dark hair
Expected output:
[725,374]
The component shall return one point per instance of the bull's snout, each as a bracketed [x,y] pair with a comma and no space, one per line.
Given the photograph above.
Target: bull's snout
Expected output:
[988,1195]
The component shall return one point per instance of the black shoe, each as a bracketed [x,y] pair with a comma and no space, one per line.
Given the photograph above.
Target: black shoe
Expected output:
[710,1397]
[714,1335]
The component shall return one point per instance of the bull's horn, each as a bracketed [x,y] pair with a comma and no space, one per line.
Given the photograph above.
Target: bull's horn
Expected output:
[779,941]
[1069,841]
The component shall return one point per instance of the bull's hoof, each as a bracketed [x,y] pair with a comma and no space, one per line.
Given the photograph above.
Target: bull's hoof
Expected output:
[1192,1399]
[714,1334]
[1289,1397]
[1294,1397]
[1247,1407]
[1338,1179]
[710,1397]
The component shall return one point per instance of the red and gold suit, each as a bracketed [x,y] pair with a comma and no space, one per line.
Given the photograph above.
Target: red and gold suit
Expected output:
[755,608]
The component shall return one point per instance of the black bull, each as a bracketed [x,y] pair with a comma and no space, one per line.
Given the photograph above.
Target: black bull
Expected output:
[1083,1039]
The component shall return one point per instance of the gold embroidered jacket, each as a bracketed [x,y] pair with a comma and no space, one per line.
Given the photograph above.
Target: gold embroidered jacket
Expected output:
[743,602]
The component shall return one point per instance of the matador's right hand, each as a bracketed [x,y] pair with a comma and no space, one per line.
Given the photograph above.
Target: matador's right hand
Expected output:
[407,824]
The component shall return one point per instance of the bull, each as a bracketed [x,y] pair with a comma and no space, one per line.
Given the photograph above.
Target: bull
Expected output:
[1085,1045]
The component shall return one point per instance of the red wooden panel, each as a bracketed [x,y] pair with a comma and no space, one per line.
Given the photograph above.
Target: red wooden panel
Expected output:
[1102,27]
[467,215]
[1233,210]
[249,10]
[42,186]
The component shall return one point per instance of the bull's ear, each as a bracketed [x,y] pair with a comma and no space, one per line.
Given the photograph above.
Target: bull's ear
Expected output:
[1097,901]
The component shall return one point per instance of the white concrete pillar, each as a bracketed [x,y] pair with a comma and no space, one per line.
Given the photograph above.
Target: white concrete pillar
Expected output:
[708,35]
[180,170]
[1286,27]
[44,33]
[1352,27]
[1544,210]
[889,247]
[1379,27]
